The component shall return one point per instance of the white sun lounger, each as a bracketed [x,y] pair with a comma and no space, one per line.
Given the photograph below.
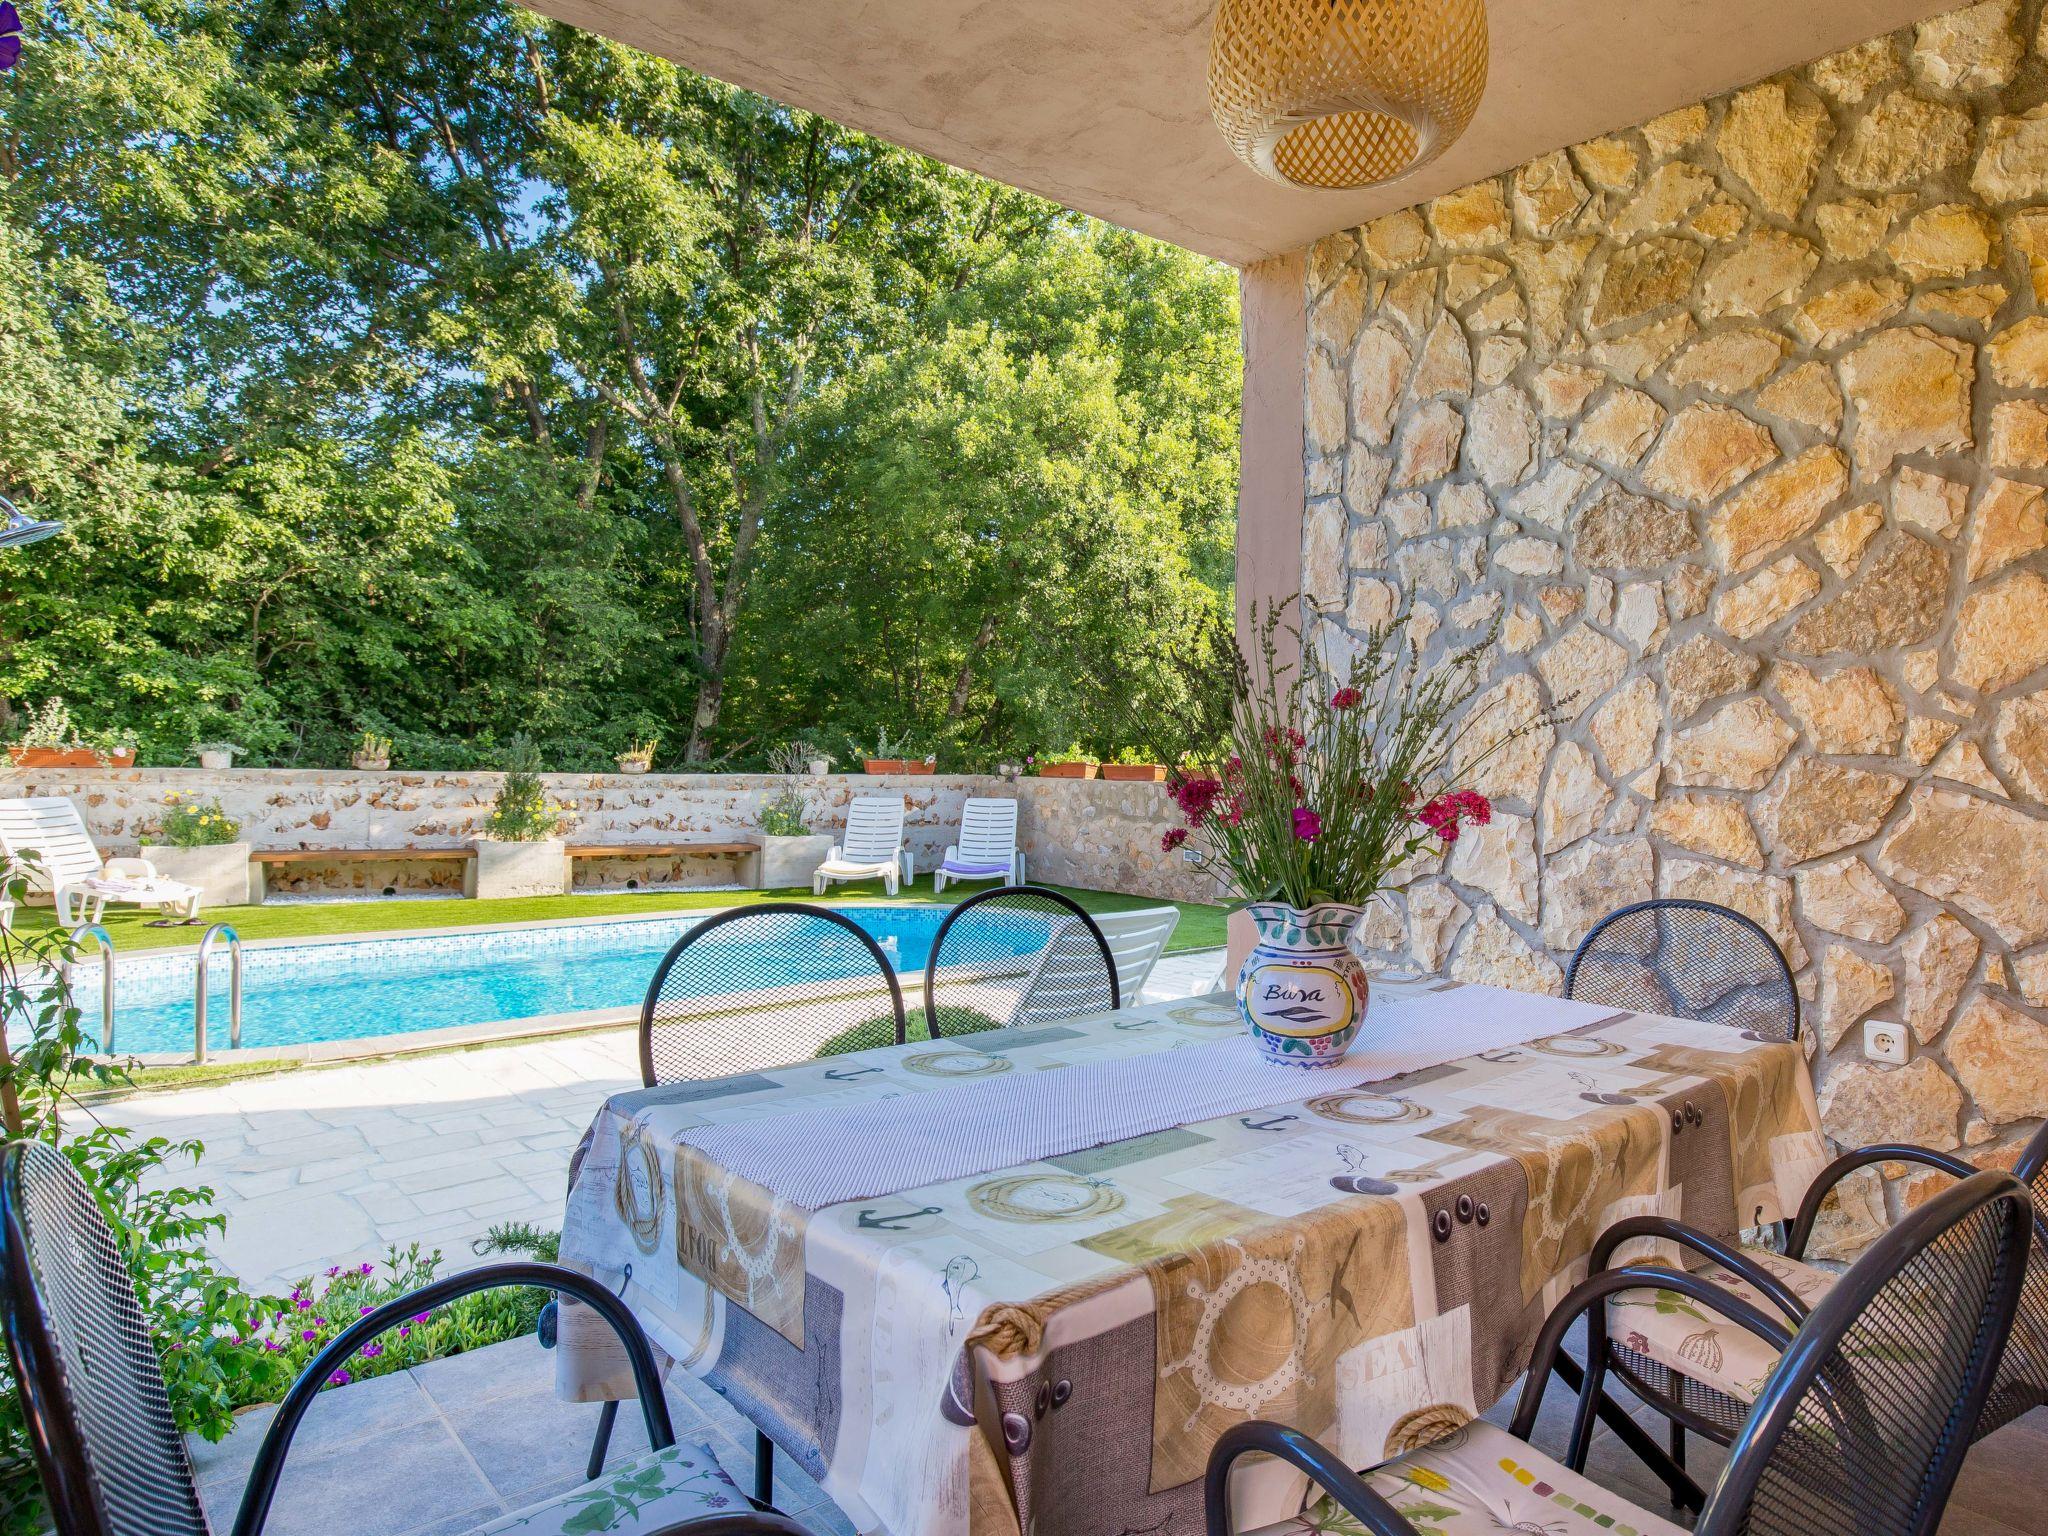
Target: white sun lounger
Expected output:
[1136,941]
[987,849]
[872,848]
[69,866]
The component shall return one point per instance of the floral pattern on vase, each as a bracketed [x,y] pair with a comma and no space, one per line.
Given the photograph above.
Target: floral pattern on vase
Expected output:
[1301,991]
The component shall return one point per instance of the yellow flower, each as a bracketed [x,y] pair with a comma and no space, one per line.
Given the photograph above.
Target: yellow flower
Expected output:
[1424,1477]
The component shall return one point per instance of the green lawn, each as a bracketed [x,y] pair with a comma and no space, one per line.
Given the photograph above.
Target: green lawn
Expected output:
[1201,925]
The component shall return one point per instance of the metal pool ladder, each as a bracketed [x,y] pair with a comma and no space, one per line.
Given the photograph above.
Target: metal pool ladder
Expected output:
[217,931]
[105,940]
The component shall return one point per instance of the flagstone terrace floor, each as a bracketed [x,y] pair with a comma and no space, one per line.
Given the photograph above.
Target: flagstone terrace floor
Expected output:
[336,1165]
[443,1448]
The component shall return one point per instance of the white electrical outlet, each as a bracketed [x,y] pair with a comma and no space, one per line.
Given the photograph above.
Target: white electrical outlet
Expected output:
[1886,1041]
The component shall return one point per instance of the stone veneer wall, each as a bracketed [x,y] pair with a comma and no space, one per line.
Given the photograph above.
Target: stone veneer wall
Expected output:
[1733,422]
[1087,833]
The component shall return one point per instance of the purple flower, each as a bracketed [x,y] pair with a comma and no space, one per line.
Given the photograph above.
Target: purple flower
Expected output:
[364,1311]
[308,1335]
[405,1331]
[10,34]
[334,1271]
[1308,826]
[423,1317]
[339,1379]
[365,1269]
[372,1351]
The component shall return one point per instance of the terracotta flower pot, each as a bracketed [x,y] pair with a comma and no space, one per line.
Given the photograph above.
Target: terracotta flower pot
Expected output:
[1135,773]
[71,757]
[917,765]
[1073,770]
[884,765]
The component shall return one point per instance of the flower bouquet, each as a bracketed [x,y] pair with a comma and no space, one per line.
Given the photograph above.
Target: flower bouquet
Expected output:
[1333,787]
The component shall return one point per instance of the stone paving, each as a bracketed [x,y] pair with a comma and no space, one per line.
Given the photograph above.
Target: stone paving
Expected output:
[449,1445]
[337,1165]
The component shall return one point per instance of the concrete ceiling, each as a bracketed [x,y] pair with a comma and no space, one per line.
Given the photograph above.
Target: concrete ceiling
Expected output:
[1102,104]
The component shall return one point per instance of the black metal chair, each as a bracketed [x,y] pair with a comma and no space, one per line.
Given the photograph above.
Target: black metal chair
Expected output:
[762,986]
[1860,1432]
[1690,960]
[1676,1358]
[98,1415]
[709,1014]
[1019,954]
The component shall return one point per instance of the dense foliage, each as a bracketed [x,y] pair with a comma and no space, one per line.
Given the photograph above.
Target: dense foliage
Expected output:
[444,372]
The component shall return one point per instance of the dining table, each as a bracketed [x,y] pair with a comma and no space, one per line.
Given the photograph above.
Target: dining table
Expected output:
[1019,1281]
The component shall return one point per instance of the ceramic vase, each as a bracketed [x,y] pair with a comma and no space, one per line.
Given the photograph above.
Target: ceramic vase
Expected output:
[1301,991]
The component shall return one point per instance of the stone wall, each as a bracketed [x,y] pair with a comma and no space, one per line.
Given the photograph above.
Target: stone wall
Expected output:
[1086,833]
[1733,423]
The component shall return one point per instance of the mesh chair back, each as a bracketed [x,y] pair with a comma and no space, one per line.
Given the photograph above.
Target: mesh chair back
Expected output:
[1018,954]
[2022,1382]
[112,1461]
[1689,960]
[988,831]
[1862,1426]
[874,829]
[765,986]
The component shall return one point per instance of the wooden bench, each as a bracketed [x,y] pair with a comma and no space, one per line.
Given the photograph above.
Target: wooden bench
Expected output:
[747,853]
[261,858]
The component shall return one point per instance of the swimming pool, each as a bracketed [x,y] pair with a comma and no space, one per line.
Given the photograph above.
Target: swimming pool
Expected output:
[305,993]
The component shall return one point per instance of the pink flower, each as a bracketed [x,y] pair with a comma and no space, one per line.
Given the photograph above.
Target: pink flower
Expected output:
[1308,826]
[1196,797]
[1346,698]
[1447,812]
[1174,837]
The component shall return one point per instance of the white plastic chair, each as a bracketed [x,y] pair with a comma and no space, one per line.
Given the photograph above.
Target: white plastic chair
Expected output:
[1136,941]
[68,864]
[872,848]
[987,849]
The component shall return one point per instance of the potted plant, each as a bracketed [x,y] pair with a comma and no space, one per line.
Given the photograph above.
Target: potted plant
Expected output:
[1331,785]
[199,844]
[888,756]
[639,757]
[50,740]
[1130,768]
[789,850]
[1071,764]
[816,760]
[216,754]
[373,753]
[520,853]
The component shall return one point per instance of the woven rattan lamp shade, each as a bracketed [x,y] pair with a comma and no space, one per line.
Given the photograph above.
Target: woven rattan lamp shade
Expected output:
[1345,93]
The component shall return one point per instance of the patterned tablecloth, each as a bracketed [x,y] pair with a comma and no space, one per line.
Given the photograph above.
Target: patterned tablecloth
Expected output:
[1054,1347]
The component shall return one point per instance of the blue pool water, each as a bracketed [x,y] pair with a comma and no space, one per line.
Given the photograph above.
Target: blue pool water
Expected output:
[298,993]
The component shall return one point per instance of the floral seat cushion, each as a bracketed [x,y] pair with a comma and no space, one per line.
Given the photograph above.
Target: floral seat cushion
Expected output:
[1482,1481]
[1694,1341]
[649,1494]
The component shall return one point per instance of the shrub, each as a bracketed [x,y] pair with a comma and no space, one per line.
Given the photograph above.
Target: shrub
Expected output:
[193,823]
[523,813]
[296,1328]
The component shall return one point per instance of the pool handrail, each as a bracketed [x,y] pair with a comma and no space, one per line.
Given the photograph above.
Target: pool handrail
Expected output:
[105,940]
[234,941]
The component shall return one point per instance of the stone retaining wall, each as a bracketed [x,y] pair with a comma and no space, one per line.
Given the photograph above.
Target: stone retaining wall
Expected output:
[1733,422]
[1075,832]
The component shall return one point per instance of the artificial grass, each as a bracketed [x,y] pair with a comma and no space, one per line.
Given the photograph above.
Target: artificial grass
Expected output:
[1201,925]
